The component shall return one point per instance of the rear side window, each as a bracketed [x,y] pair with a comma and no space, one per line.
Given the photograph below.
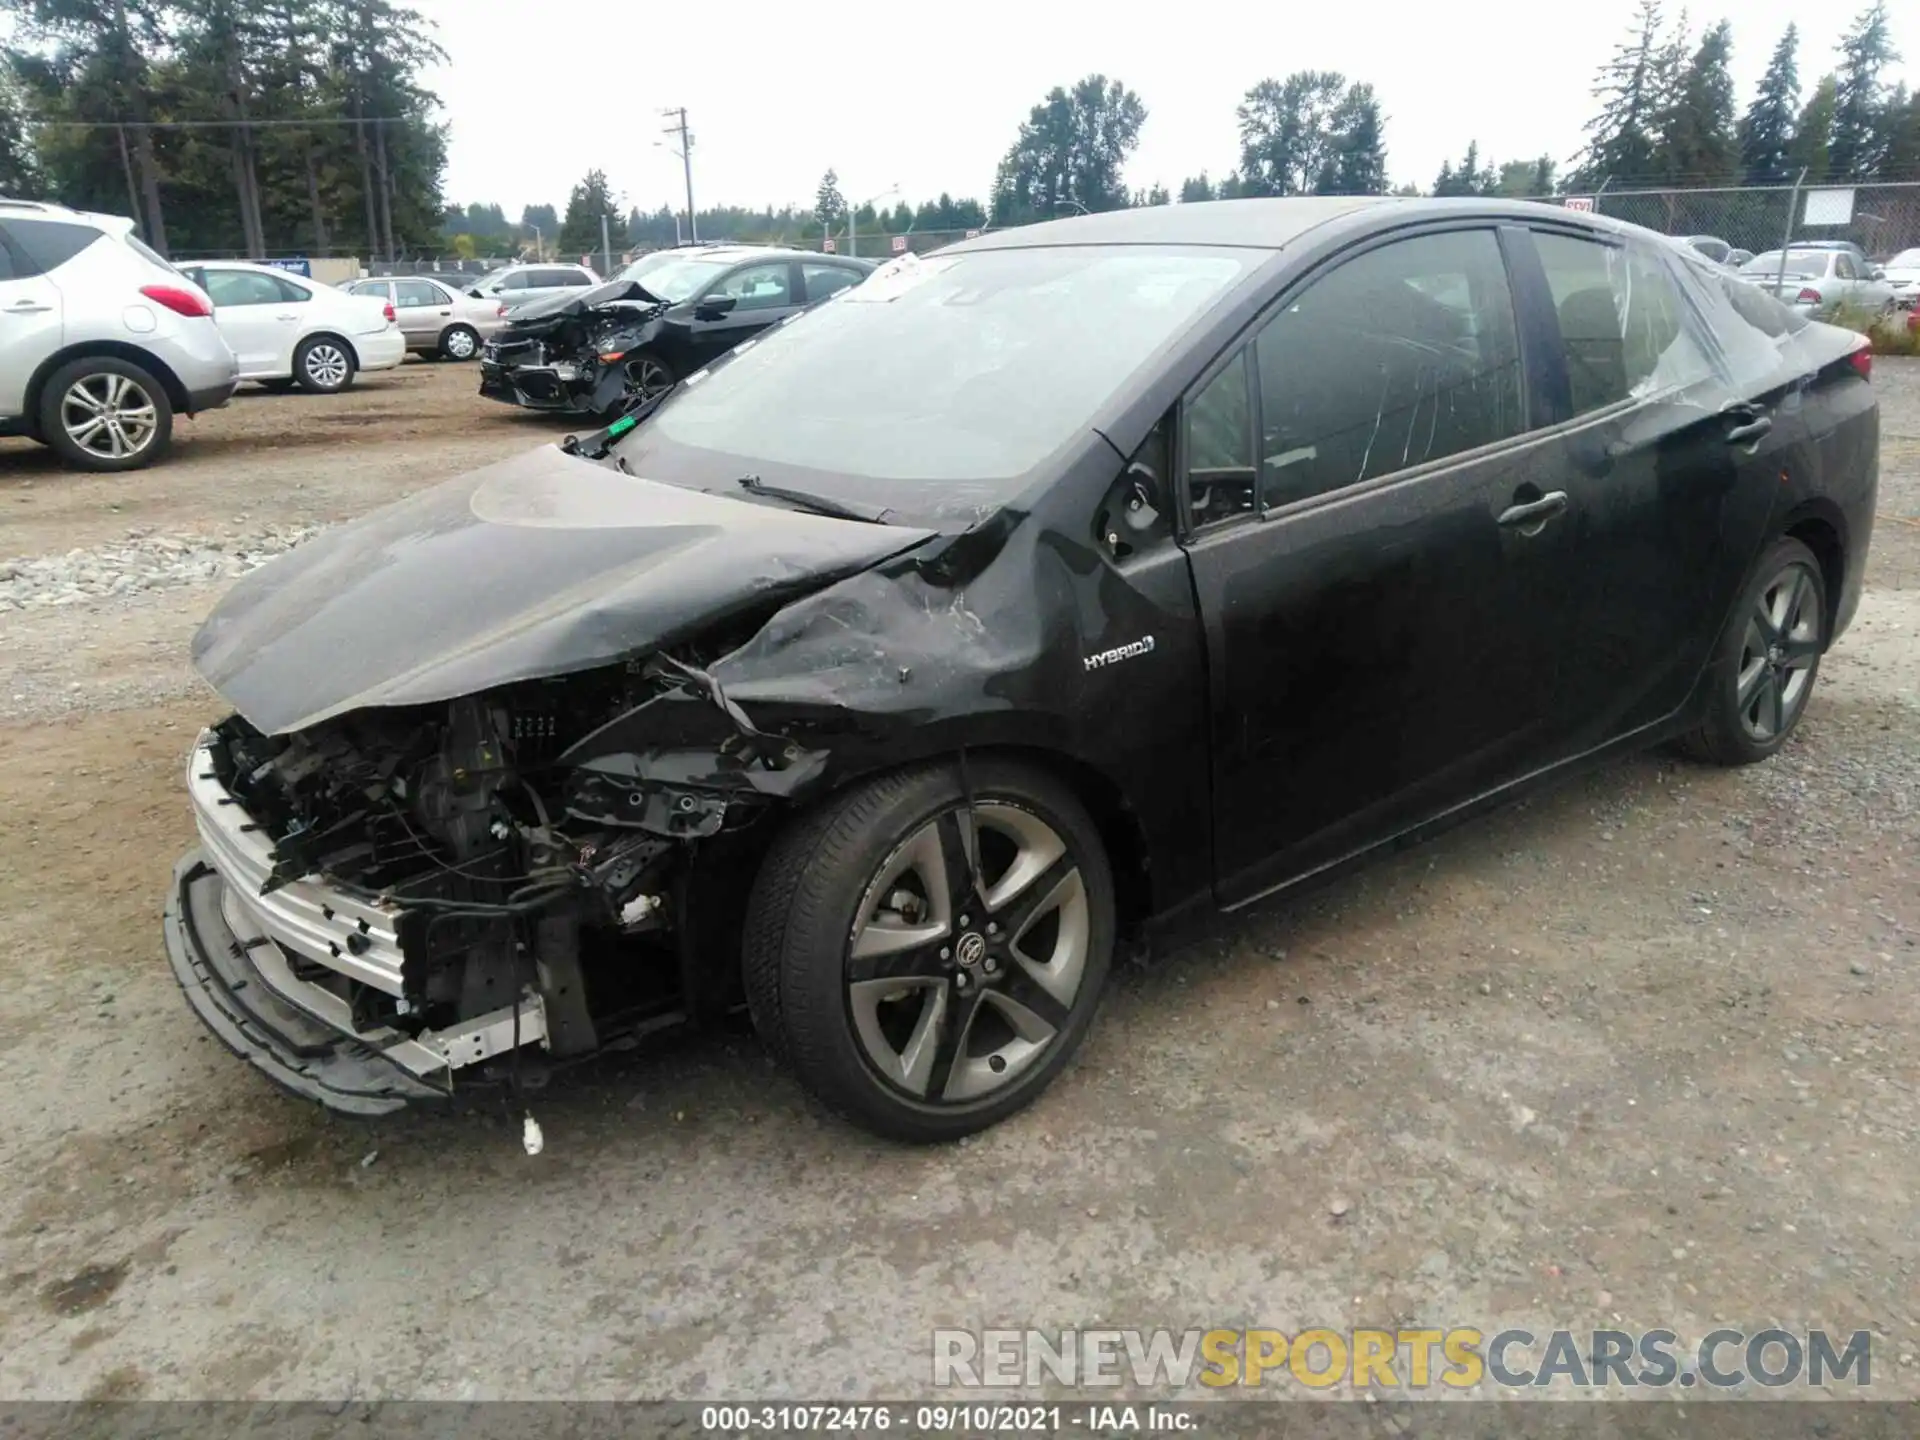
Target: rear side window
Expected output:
[49,244]
[825,280]
[230,288]
[1623,322]
[544,279]
[289,291]
[418,294]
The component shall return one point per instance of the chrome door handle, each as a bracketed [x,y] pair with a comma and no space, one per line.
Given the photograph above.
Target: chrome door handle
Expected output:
[1533,514]
[1751,430]
[28,307]
[286,317]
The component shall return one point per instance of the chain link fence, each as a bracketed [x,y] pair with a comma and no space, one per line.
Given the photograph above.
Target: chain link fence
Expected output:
[1882,219]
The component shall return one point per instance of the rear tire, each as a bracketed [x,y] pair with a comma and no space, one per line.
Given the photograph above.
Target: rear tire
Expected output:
[1761,677]
[459,342]
[323,364]
[105,414]
[903,999]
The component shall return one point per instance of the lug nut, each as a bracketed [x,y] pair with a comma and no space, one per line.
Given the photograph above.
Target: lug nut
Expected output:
[946,952]
[964,922]
[990,965]
[992,929]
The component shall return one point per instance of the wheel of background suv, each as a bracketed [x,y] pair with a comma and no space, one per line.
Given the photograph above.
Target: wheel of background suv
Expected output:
[460,342]
[904,997]
[103,413]
[1763,673]
[323,364]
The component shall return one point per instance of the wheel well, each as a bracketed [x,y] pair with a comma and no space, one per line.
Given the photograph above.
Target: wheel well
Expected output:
[1119,826]
[353,352]
[132,354]
[1824,541]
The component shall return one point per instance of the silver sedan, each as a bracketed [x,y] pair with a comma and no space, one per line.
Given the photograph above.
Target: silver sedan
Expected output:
[1819,280]
[436,319]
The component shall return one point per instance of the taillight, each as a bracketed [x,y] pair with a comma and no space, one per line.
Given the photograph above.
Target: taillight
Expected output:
[1809,297]
[387,310]
[181,302]
[1862,361]
[501,311]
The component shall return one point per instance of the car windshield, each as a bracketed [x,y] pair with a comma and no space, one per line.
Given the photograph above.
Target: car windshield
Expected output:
[679,277]
[961,368]
[646,264]
[1801,264]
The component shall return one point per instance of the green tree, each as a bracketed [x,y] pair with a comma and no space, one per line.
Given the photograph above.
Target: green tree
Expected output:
[1525,179]
[1766,130]
[1311,134]
[1471,178]
[1899,136]
[19,175]
[1069,153]
[1195,188]
[1620,139]
[1698,145]
[1865,51]
[829,205]
[1813,134]
[589,202]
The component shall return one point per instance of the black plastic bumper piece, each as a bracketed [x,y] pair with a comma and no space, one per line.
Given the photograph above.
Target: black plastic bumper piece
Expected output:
[290,1047]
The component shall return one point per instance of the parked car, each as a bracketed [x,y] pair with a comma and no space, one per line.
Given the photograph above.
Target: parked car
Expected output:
[288,330]
[1820,279]
[102,342]
[1711,246]
[1737,257]
[1902,273]
[1076,577]
[517,285]
[436,320]
[595,352]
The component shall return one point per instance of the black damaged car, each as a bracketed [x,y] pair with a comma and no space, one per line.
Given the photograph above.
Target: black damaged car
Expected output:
[1023,597]
[598,352]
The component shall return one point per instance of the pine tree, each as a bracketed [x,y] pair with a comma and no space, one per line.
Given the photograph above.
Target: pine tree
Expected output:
[1620,139]
[1697,144]
[1813,134]
[829,205]
[1471,178]
[1865,51]
[1766,131]
[1196,188]
[1900,137]
[1359,160]
[588,202]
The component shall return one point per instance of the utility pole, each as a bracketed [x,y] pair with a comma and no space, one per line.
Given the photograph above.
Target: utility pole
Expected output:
[606,247]
[679,116]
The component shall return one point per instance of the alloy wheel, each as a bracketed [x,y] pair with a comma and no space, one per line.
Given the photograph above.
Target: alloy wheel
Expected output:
[646,378]
[326,366]
[1778,653]
[109,415]
[967,953]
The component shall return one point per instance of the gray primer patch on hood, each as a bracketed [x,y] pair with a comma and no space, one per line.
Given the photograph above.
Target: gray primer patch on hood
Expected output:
[538,566]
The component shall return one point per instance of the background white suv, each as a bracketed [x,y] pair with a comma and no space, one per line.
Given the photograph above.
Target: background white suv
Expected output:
[516,285]
[101,341]
[288,330]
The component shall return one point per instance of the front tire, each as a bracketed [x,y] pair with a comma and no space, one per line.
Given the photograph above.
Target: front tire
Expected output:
[459,343]
[323,365]
[105,414]
[907,1000]
[1762,675]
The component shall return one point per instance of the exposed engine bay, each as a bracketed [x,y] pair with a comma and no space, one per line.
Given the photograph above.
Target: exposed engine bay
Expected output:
[513,857]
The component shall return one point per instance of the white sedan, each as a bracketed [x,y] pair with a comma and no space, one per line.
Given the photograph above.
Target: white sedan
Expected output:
[288,330]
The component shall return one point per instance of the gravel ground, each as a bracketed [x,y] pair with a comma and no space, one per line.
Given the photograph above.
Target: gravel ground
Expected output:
[1639,1051]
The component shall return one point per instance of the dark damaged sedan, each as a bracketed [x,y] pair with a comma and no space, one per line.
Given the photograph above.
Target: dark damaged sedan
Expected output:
[598,352]
[1017,599]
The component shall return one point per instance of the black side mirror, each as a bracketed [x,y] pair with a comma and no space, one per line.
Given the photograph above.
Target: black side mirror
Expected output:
[714,306]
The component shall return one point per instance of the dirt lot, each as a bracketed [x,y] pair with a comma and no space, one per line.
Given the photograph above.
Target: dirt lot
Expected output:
[1639,1052]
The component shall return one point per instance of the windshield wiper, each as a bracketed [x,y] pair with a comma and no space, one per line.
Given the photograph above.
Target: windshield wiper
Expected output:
[818,504]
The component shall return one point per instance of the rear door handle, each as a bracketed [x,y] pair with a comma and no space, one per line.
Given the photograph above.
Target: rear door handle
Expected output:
[1749,429]
[286,317]
[28,307]
[1532,515]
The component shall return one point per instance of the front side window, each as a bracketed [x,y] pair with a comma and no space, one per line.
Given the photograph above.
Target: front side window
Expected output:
[758,287]
[370,289]
[1403,355]
[1624,327]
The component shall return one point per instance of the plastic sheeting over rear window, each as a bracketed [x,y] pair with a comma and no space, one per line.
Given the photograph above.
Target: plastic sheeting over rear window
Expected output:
[957,367]
[1623,321]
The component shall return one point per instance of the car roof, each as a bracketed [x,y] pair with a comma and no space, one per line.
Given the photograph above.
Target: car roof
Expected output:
[46,210]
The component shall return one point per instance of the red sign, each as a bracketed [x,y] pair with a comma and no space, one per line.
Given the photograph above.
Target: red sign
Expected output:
[972,233]
[899,244]
[826,247]
[1578,202]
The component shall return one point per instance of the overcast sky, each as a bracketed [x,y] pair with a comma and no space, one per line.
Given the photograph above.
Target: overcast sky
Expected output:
[930,96]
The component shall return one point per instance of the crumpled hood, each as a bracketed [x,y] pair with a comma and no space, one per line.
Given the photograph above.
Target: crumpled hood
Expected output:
[573,302]
[540,565]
